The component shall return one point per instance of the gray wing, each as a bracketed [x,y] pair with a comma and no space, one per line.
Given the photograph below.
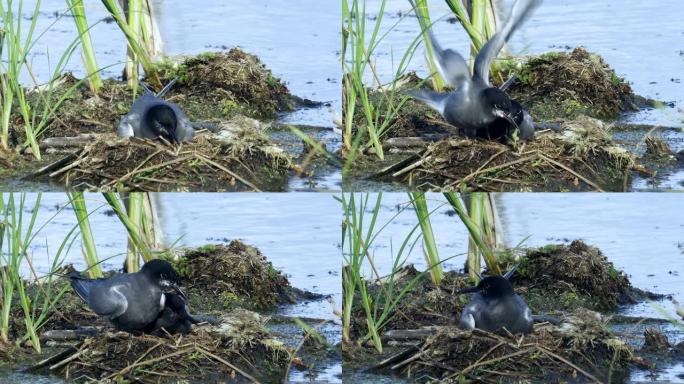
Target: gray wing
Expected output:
[450,63]
[470,317]
[104,296]
[434,100]
[522,10]
[130,124]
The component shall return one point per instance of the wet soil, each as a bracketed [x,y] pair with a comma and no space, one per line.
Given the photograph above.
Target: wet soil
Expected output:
[570,282]
[229,282]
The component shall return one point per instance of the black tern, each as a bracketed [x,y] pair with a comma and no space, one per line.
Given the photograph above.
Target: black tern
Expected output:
[176,316]
[131,301]
[495,306]
[152,117]
[477,108]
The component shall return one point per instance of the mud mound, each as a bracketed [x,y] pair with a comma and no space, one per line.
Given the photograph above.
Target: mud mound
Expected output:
[239,348]
[580,348]
[581,157]
[246,161]
[232,275]
[574,274]
[566,85]
[225,84]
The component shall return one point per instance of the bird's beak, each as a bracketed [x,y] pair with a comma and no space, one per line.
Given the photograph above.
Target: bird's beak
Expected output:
[504,115]
[179,291]
[468,290]
[174,288]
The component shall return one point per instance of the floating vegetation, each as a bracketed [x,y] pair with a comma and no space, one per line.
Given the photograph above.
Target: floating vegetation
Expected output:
[233,275]
[239,347]
[229,281]
[581,347]
[222,93]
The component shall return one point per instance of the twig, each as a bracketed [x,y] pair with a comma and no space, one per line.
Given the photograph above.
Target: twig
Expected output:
[564,360]
[554,162]
[231,366]
[226,170]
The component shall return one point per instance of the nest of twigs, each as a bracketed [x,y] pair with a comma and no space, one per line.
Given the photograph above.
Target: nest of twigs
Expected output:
[239,348]
[206,164]
[581,157]
[581,347]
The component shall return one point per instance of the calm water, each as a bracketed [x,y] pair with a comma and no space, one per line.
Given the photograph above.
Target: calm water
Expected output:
[298,232]
[642,234]
[642,40]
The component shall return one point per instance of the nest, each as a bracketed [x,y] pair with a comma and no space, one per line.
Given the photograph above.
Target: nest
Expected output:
[238,347]
[551,279]
[572,272]
[581,346]
[228,83]
[581,157]
[566,85]
[205,164]
[233,275]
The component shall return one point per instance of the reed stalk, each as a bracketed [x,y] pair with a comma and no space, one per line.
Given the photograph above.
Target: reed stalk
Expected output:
[134,231]
[38,113]
[89,60]
[36,298]
[135,42]
[429,244]
[359,232]
[359,43]
[476,231]
[77,200]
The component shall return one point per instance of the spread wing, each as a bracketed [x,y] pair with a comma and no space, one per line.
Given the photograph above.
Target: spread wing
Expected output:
[522,10]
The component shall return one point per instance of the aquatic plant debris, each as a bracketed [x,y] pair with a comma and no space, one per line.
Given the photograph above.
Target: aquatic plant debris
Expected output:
[580,347]
[224,92]
[562,85]
[246,162]
[235,275]
[239,346]
[565,92]
[582,156]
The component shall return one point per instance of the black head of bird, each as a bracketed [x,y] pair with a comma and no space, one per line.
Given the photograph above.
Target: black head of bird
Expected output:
[162,272]
[162,119]
[491,287]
